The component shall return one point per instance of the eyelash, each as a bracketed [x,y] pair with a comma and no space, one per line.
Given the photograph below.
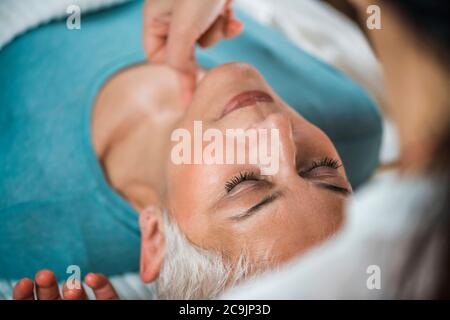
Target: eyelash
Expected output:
[248,175]
[325,162]
[241,177]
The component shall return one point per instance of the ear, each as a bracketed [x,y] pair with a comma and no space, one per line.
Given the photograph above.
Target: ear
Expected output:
[152,243]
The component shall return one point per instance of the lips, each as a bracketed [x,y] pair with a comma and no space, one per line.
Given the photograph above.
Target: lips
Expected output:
[246,99]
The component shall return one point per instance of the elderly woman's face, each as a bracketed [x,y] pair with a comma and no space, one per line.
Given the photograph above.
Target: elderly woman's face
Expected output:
[235,209]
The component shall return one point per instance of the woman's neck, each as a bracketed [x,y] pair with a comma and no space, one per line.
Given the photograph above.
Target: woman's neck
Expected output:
[133,117]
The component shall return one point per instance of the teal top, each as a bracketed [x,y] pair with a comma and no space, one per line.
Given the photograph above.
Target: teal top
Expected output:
[56,208]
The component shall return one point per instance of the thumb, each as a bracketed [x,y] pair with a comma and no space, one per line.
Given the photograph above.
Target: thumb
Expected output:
[188,82]
[191,18]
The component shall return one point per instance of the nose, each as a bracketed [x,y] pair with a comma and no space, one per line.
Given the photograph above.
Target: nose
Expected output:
[282,144]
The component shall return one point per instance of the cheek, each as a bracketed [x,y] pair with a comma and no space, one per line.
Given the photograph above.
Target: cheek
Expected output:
[292,231]
[189,201]
[180,198]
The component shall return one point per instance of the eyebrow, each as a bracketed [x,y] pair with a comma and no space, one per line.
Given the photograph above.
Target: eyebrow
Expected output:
[264,202]
[334,188]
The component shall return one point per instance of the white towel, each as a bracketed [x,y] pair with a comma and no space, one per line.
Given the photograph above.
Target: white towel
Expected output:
[18,16]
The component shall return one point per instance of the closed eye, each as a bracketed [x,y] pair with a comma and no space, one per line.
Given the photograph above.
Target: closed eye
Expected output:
[241,177]
[257,207]
[324,162]
[330,187]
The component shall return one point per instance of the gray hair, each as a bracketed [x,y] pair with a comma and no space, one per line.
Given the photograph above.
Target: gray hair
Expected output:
[190,272]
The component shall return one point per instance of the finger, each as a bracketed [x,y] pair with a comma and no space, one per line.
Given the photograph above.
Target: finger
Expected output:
[46,286]
[156,49]
[103,289]
[228,5]
[156,22]
[155,37]
[184,33]
[234,28]
[74,291]
[23,290]
[182,60]
[188,83]
[215,33]
[225,27]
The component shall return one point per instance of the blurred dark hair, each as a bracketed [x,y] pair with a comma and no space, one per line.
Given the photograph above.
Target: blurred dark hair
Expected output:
[429,20]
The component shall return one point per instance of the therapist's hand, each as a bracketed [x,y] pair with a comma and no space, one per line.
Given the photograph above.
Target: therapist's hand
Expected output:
[173,27]
[46,287]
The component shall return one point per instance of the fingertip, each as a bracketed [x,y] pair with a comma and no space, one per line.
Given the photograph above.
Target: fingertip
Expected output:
[45,278]
[25,282]
[181,59]
[234,28]
[24,290]
[90,279]
[94,280]
[101,286]
[155,49]
[73,293]
[188,83]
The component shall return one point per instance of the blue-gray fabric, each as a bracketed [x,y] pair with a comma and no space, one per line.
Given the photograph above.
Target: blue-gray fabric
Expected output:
[56,208]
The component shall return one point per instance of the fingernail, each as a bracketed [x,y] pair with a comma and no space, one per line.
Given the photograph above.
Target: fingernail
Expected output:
[235,25]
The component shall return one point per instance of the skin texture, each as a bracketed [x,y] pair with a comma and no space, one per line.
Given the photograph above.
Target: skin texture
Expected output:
[173,27]
[419,116]
[47,288]
[303,215]
[133,117]
[274,232]
[134,130]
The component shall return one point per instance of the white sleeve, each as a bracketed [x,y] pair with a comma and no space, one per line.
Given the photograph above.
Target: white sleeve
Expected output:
[336,270]
[365,260]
